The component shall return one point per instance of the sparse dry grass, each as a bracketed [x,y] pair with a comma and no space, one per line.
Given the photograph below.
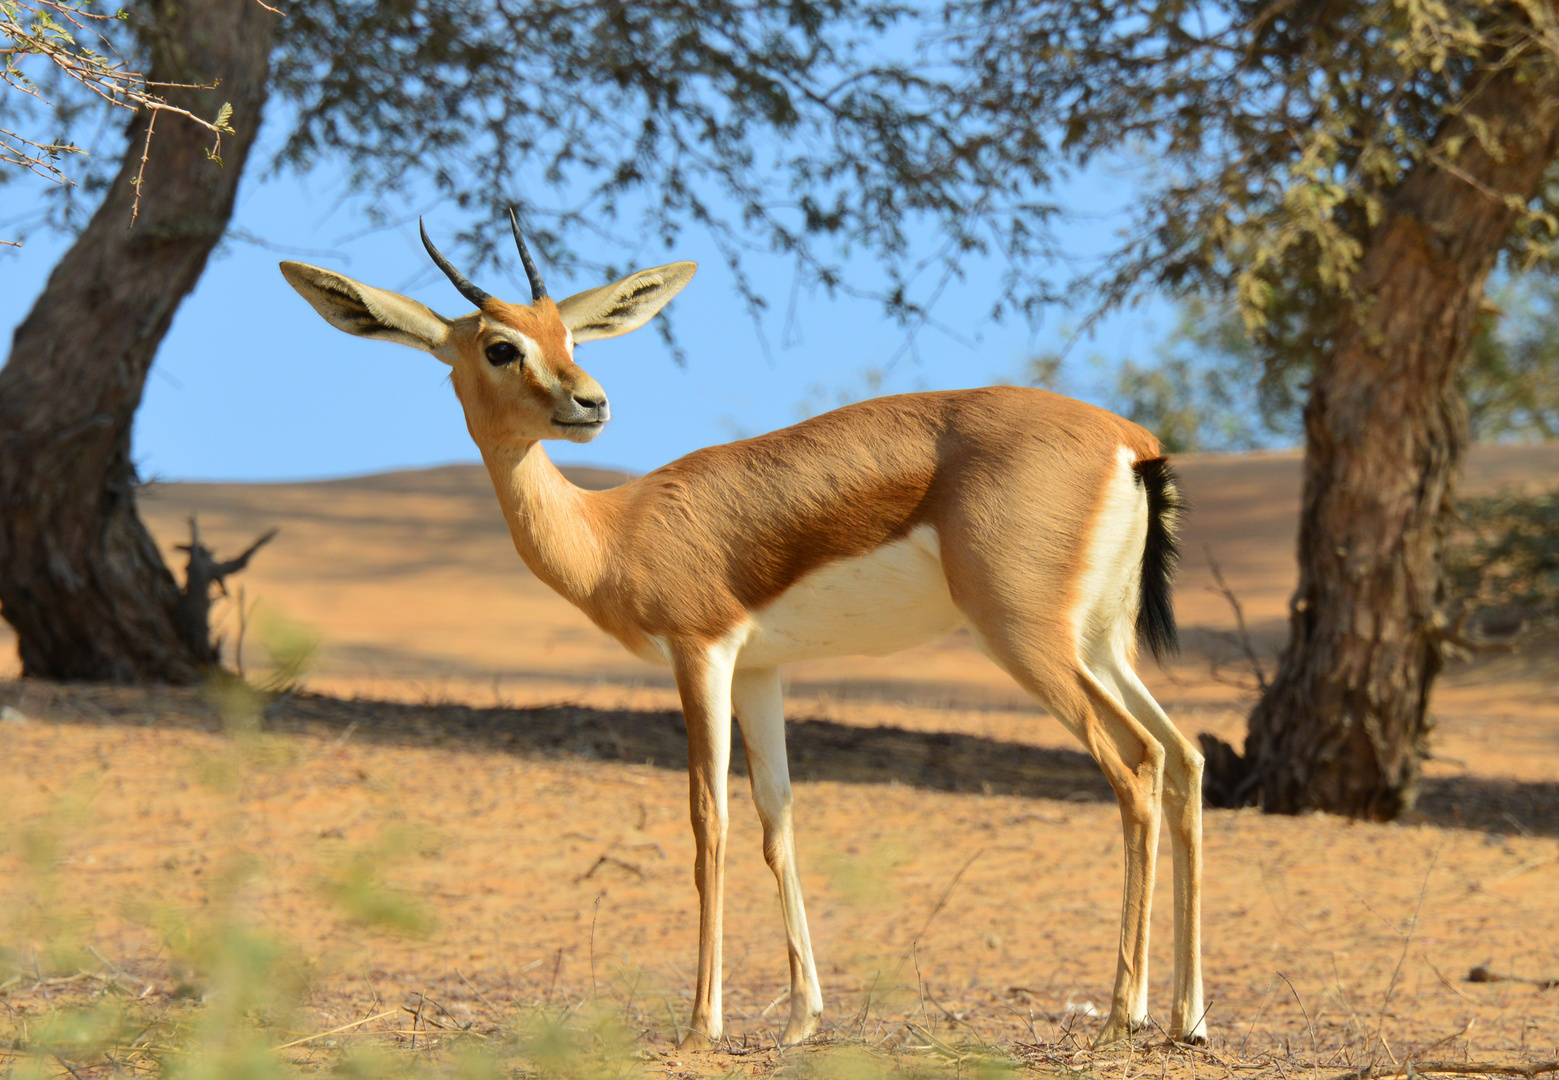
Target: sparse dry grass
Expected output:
[225,886]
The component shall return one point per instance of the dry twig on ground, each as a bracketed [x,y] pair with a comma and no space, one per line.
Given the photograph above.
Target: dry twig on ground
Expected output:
[1451,1068]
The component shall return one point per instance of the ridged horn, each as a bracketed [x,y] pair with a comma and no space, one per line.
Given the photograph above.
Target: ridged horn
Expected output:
[467,290]
[537,288]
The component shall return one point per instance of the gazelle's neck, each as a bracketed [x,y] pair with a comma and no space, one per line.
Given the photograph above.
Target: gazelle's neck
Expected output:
[550,519]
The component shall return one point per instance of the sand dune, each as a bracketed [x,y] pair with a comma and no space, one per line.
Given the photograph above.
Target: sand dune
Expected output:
[410,576]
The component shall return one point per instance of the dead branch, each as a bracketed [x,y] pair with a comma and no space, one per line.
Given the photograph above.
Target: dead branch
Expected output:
[334,1031]
[1484,974]
[611,860]
[1453,634]
[202,571]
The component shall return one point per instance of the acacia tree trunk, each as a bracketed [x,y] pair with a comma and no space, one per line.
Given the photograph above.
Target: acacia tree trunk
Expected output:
[81,580]
[1344,724]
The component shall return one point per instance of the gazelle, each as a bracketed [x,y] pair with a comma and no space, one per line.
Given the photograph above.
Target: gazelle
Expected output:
[1044,525]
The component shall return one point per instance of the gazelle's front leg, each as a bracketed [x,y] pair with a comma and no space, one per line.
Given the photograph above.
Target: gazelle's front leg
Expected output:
[760,710]
[704,682]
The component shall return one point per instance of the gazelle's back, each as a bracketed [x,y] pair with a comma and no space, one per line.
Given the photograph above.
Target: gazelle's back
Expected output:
[832,535]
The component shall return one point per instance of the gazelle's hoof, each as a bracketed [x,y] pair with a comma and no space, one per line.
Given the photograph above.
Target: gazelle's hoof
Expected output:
[1194,1038]
[694,1042]
[1112,1033]
[800,1029]
[1116,1029]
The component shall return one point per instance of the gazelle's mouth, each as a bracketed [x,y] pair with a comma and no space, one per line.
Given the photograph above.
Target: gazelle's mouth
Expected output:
[579,430]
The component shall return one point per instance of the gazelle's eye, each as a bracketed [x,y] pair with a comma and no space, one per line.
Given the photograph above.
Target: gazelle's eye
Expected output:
[501,352]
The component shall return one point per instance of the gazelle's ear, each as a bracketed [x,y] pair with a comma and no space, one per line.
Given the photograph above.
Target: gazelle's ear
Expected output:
[365,311]
[623,305]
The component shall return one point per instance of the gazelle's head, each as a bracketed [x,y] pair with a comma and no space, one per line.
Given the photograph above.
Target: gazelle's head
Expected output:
[513,364]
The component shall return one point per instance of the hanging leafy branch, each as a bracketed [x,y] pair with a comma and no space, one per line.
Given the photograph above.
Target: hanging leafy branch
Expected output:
[1270,134]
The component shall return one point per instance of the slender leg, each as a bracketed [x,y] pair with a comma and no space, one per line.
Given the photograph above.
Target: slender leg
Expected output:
[1183,808]
[704,682]
[1133,762]
[760,710]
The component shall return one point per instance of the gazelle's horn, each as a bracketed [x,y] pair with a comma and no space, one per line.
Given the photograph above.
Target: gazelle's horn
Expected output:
[467,290]
[537,288]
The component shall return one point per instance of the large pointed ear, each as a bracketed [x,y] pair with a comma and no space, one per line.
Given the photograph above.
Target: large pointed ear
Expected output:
[623,305]
[365,311]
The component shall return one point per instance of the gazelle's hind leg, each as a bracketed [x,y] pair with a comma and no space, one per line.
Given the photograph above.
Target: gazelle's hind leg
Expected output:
[760,711]
[1132,761]
[1183,808]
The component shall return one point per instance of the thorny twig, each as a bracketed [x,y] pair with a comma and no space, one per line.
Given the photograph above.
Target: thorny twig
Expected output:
[936,909]
[52,36]
[1407,941]
[1242,634]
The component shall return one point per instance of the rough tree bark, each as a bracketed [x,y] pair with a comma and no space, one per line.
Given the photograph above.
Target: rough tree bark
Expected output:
[1344,723]
[81,580]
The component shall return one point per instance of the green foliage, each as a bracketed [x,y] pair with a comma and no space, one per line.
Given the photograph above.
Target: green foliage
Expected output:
[1205,389]
[1272,136]
[597,1049]
[289,648]
[1176,402]
[865,878]
[52,918]
[30,29]
[1215,387]
[763,125]
[1505,563]
[1511,383]
[357,886]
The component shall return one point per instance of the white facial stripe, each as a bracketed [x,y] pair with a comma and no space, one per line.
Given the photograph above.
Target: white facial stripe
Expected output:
[527,345]
[530,352]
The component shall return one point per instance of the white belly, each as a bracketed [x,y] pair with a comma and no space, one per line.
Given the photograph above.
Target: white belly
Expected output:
[871,605]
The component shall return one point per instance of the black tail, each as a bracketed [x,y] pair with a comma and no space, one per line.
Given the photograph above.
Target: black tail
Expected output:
[1160,556]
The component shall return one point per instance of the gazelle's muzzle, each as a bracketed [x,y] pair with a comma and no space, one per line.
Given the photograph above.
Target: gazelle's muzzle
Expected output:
[583,415]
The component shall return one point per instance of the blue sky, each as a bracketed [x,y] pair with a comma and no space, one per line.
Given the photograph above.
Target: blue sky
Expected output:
[251,384]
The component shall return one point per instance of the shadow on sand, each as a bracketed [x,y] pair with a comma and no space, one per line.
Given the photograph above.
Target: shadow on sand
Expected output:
[820,750]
